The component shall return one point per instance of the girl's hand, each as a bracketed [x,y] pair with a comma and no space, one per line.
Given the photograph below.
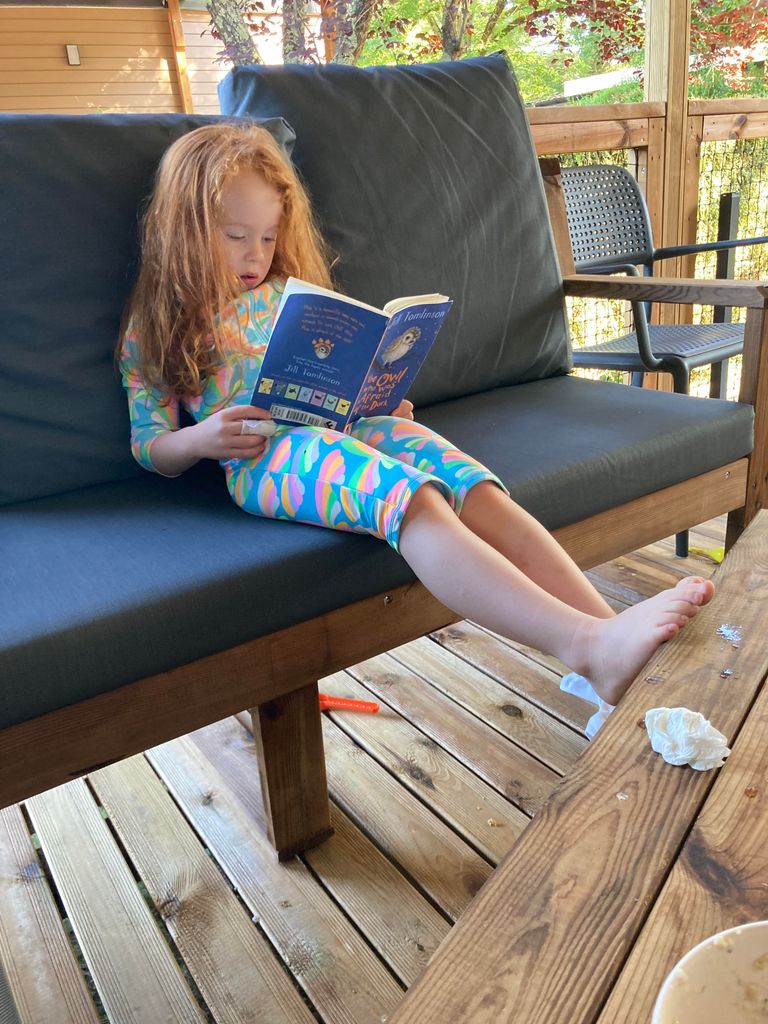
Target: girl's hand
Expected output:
[220,436]
[404,411]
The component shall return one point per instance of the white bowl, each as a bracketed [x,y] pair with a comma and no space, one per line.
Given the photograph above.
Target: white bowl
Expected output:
[723,980]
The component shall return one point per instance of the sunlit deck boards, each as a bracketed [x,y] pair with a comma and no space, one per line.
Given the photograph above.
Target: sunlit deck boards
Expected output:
[148,893]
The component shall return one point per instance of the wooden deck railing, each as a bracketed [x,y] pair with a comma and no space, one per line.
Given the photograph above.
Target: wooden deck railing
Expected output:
[641,127]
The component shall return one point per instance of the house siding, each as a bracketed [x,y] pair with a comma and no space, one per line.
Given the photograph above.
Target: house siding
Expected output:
[126,56]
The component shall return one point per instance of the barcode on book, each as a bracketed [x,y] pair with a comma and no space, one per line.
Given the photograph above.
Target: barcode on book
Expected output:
[284,412]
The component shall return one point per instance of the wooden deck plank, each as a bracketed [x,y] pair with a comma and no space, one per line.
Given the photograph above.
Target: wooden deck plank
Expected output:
[515,717]
[505,766]
[427,850]
[554,668]
[337,970]
[398,922]
[631,579]
[719,881]
[232,964]
[403,926]
[133,969]
[441,782]
[564,907]
[43,976]
[502,661]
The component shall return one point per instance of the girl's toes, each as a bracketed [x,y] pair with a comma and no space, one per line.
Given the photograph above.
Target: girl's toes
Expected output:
[696,589]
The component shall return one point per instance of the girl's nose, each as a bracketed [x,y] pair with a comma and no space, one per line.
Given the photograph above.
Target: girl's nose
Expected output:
[255,252]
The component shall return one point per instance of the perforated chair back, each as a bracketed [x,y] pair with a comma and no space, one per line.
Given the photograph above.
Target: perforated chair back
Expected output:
[607,217]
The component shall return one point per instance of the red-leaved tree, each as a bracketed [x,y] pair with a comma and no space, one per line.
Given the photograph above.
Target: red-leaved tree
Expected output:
[723,32]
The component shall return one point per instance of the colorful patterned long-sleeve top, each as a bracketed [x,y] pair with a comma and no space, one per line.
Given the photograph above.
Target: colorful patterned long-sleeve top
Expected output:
[250,316]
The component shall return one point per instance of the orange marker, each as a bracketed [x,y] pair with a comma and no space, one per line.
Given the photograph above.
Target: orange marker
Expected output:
[328,703]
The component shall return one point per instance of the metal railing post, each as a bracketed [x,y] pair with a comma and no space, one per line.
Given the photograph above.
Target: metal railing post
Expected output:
[727,227]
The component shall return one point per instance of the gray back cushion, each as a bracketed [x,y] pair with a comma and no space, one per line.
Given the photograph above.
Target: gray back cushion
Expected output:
[70,192]
[425,179]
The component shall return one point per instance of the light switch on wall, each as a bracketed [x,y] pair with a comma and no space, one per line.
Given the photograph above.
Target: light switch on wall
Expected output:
[73,53]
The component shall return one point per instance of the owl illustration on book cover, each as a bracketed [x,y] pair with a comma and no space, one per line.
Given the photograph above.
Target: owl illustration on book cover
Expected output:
[399,347]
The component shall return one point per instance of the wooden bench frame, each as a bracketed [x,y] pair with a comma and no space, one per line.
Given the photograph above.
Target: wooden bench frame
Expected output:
[276,676]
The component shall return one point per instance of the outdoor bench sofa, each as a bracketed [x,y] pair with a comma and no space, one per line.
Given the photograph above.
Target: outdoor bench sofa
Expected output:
[137,608]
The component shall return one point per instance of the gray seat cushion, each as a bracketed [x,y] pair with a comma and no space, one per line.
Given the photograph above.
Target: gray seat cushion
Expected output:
[569,448]
[189,574]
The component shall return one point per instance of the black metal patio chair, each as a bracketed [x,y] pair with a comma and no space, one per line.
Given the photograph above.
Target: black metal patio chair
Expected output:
[610,232]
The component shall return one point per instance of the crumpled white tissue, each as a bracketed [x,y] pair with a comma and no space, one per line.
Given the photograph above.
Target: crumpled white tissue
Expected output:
[580,686]
[683,736]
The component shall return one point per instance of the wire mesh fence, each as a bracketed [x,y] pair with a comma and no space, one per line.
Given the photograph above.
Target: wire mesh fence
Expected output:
[734,165]
[740,166]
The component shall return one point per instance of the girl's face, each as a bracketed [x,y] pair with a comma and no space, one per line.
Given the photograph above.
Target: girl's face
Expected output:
[250,217]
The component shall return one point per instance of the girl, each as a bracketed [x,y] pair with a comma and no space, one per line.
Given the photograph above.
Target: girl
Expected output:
[227,223]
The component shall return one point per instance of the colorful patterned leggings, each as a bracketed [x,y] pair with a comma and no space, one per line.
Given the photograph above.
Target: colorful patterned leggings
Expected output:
[362,481]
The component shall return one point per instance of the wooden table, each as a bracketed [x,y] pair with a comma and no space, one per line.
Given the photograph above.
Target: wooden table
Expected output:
[632,861]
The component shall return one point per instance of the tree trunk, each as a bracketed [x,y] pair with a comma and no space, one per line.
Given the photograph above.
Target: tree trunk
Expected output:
[349,45]
[493,20]
[227,18]
[454,26]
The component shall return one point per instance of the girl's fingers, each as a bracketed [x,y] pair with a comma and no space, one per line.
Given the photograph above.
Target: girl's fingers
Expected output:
[246,443]
[248,412]
[249,450]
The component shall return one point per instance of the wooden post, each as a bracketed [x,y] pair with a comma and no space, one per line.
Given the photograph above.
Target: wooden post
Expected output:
[650,172]
[558,217]
[180,55]
[668,32]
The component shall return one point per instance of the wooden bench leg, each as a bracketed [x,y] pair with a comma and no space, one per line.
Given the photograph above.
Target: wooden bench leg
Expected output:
[289,743]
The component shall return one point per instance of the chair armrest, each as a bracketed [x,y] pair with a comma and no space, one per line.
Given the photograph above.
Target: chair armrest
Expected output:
[670,251]
[614,268]
[684,291]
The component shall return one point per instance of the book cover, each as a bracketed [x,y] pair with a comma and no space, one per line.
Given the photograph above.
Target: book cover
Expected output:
[327,350]
[407,340]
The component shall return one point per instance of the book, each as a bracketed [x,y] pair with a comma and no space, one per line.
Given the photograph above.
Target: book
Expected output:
[331,359]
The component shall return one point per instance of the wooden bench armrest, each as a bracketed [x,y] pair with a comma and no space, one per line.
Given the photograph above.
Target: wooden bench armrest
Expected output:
[753,294]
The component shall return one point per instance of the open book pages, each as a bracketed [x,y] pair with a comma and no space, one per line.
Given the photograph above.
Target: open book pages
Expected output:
[294,286]
[395,305]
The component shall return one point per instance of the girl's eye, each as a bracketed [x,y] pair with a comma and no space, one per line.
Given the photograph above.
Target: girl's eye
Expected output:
[236,238]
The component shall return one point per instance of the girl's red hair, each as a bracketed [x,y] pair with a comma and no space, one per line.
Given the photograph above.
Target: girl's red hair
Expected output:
[183,281]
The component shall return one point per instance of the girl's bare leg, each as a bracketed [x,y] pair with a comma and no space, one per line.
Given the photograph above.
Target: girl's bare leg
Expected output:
[508,528]
[478,582]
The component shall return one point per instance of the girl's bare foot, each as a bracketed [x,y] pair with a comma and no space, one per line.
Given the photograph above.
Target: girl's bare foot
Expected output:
[611,652]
